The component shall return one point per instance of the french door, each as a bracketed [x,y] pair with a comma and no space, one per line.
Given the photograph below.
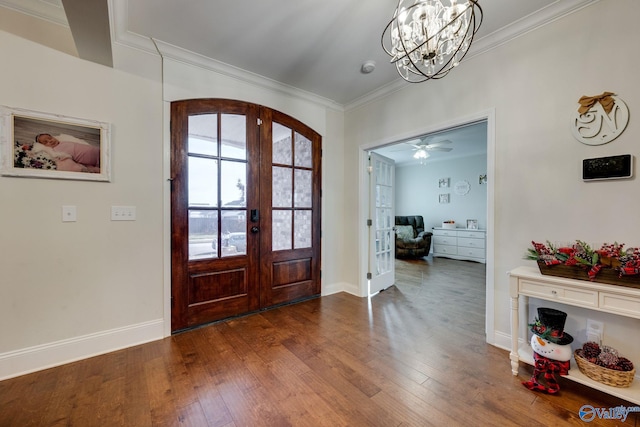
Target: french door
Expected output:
[381,231]
[245,206]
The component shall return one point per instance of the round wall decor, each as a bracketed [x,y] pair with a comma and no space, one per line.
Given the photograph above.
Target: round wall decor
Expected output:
[599,119]
[462,187]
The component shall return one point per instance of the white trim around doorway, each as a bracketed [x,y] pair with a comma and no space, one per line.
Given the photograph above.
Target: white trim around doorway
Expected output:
[363,194]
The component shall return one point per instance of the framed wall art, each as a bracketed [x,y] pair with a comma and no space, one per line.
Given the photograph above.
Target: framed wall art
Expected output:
[42,145]
[443,183]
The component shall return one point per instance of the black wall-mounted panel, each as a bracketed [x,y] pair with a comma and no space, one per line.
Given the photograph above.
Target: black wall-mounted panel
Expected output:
[612,167]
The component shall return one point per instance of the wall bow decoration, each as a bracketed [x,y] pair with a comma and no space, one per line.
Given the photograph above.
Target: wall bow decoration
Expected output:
[599,119]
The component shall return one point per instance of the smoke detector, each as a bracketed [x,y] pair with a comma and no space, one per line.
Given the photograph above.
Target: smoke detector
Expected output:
[368,67]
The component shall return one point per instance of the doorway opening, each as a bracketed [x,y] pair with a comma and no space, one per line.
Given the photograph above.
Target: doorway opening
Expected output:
[433,137]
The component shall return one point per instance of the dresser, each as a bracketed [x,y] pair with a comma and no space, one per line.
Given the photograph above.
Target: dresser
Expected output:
[525,282]
[459,243]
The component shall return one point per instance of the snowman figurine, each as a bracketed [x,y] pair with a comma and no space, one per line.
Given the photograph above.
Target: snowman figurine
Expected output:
[551,350]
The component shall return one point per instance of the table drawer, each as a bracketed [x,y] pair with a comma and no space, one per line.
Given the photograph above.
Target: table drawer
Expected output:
[620,304]
[470,243]
[579,297]
[445,240]
[445,249]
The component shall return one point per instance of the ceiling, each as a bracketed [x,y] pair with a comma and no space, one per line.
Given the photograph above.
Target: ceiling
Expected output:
[316,46]
[464,141]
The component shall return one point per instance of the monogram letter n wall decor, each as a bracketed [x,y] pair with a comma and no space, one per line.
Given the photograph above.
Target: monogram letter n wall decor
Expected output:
[599,119]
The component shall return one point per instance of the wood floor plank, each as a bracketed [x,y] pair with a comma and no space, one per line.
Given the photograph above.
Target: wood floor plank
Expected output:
[413,355]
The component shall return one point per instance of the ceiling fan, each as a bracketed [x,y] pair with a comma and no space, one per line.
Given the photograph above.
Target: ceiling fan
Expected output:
[422,148]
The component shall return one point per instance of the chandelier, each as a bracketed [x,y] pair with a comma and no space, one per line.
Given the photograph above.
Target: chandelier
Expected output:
[426,39]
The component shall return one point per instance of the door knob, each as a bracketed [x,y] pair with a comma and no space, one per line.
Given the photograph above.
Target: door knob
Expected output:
[254,229]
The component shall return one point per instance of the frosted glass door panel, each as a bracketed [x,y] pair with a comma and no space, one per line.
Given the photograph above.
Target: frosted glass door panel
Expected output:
[282,232]
[282,185]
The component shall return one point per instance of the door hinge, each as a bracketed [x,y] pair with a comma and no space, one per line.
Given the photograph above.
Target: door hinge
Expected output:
[369,223]
[259,122]
[369,276]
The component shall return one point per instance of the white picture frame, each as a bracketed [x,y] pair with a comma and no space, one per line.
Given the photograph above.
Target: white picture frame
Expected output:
[472,224]
[443,198]
[443,183]
[82,151]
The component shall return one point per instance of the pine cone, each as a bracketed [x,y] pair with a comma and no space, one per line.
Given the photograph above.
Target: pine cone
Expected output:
[591,349]
[625,364]
[608,359]
[611,350]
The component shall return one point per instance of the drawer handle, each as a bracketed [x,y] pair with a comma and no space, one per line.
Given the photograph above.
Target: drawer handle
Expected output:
[554,293]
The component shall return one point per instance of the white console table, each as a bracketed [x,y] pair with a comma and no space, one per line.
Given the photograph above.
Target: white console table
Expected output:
[529,282]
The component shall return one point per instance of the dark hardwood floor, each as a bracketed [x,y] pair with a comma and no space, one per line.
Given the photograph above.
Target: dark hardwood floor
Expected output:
[414,355]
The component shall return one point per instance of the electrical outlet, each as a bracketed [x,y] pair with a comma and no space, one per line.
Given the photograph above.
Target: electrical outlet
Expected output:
[595,331]
[123,213]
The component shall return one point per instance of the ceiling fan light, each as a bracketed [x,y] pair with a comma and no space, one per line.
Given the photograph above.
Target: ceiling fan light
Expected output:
[420,154]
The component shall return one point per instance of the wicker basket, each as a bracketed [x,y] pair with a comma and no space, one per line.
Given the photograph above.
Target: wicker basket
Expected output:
[604,375]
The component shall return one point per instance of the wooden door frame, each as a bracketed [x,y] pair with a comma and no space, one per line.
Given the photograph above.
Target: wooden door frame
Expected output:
[179,263]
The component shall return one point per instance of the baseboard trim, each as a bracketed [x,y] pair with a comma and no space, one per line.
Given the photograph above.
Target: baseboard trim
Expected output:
[37,358]
[334,288]
[503,340]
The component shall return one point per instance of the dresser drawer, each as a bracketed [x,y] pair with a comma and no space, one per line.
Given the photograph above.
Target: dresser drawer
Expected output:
[471,234]
[620,304]
[444,232]
[579,297]
[445,240]
[470,243]
[471,252]
[445,249]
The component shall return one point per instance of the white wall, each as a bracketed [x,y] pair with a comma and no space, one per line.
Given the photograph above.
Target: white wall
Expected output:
[533,84]
[78,288]
[72,290]
[417,191]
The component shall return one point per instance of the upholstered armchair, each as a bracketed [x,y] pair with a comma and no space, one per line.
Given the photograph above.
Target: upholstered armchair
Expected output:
[412,241]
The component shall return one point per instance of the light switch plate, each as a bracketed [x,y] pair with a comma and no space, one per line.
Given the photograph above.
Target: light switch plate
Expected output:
[123,213]
[69,214]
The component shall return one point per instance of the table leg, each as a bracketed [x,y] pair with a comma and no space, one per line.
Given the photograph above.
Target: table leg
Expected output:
[514,335]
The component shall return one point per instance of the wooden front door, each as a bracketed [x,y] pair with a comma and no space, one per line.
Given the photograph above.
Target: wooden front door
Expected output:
[245,206]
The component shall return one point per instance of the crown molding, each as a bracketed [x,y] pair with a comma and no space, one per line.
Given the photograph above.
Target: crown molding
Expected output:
[169,51]
[51,10]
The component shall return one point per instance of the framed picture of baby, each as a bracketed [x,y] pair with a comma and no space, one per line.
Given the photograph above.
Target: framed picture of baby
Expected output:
[41,145]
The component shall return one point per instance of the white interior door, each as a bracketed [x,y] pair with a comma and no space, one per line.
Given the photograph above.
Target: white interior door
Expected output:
[381,223]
